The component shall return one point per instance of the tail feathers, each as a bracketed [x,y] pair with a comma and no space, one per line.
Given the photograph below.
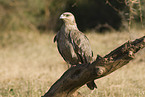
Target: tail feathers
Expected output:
[91,85]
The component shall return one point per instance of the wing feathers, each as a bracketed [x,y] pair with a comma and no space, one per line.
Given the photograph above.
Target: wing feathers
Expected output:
[81,45]
[55,38]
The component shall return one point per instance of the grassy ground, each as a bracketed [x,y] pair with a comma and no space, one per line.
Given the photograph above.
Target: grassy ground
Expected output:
[30,64]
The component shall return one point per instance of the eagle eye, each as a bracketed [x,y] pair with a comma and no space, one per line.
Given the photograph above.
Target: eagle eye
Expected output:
[67,15]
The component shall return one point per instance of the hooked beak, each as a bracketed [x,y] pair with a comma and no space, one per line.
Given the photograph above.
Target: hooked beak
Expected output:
[61,17]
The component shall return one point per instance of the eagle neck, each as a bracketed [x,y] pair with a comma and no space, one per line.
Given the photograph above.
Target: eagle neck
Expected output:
[72,26]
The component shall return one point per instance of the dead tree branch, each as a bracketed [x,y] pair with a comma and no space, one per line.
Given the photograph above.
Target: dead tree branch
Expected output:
[77,76]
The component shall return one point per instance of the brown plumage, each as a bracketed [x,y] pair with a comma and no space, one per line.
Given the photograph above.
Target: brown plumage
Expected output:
[73,45]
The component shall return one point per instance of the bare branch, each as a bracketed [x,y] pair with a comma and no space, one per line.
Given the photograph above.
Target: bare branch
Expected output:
[77,76]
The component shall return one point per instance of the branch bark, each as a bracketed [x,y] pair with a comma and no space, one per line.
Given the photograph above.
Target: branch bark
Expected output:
[77,76]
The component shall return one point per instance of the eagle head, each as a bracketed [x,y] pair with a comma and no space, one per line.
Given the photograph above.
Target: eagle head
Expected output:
[68,17]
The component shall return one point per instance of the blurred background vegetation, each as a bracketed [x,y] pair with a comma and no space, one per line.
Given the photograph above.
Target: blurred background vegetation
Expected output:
[43,15]
[30,62]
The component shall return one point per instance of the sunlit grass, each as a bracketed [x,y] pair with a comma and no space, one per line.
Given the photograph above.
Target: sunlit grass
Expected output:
[30,64]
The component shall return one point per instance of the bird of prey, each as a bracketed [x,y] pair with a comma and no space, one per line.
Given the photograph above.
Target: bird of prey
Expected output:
[73,45]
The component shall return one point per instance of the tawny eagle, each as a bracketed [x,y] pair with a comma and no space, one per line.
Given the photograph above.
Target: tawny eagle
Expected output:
[73,45]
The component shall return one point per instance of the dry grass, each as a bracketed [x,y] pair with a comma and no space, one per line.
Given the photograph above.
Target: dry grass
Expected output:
[30,64]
